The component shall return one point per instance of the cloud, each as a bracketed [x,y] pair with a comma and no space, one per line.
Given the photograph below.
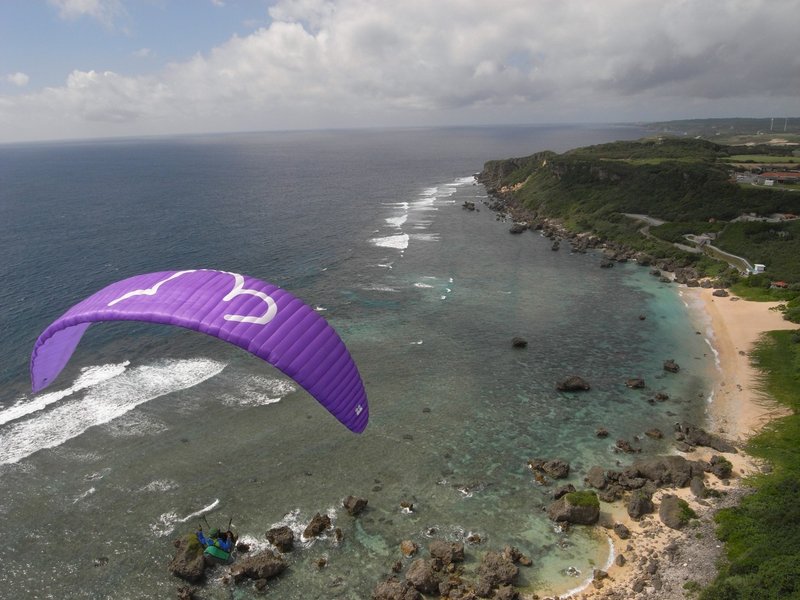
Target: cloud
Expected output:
[18,79]
[104,11]
[321,63]
[144,53]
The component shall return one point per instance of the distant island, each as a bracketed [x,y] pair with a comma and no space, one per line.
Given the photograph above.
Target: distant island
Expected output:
[714,204]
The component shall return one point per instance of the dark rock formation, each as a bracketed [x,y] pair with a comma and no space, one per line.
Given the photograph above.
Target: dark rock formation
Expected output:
[282,538]
[424,575]
[518,228]
[673,512]
[671,366]
[564,489]
[263,565]
[635,383]
[518,342]
[188,562]
[721,467]
[468,205]
[572,384]
[606,263]
[601,432]
[497,569]
[393,589]
[720,293]
[596,478]
[354,506]
[446,552]
[317,525]
[622,532]
[640,504]
[698,487]
[654,433]
[555,468]
[579,508]
[698,437]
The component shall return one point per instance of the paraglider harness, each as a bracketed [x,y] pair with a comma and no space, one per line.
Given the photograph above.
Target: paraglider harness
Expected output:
[219,545]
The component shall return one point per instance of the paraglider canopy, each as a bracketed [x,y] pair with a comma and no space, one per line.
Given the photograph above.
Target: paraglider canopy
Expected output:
[262,318]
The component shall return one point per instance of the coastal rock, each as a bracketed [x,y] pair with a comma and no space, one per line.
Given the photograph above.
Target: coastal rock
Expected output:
[640,504]
[572,384]
[671,366]
[506,592]
[673,512]
[408,548]
[446,552]
[497,569]
[516,556]
[578,508]
[317,525]
[393,589]
[622,532]
[661,396]
[606,263]
[186,592]
[263,565]
[555,468]
[698,487]
[721,467]
[654,433]
[720,293]
[188,562]
[468,205]
[518,342]
[282,538]
[424,576]
[635,383]
[601,432]
[518,228]
[626,447]
[354,506]
[665,470]
[699,437]
[564,489]
[596,478]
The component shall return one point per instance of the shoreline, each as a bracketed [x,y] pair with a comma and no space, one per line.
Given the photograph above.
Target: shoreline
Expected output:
[660,561]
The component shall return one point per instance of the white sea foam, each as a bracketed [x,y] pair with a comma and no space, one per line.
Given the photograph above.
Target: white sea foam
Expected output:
[167,521]
[376,287]
[259,391]
[134,425]
[89,376]
[85,494]
[426,237]
[159,485]
[716,354]
[392,241]
[428,192]
[397,221]
[320,308]
[422,285]
[103,402]
[587,582]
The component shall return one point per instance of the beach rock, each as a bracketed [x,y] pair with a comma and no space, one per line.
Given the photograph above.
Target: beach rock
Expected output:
[572,384]
[698,487]
[622,532]
[665,470]
[721,466]
[468,205]
[635,383]
[672,512]
[317,525]
[654,433]
[424,576]
[393,589]
[518,228]
[596,478]
[699,437]
[720,293]
[555,468]
[518,342]
[354,506]
[601,432]
[263,565]
[188,562]
[497,569]
[671,366]
[282,538]
[626,447]
[578,508]
[446,552]
[408,548]
[564,489]
[661,396]
[655,272]
[516,556]
[606,263]
[620,560]
[640,504]
[186,592]
[506,592]
[555,246]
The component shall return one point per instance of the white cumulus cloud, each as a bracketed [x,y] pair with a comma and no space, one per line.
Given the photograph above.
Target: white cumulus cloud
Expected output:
[104,11]
[322,63]
[18,79]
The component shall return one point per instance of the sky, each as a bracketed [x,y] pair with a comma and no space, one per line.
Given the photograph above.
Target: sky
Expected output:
[72,69]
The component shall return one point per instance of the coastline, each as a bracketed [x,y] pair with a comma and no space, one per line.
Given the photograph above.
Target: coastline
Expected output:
[660,562]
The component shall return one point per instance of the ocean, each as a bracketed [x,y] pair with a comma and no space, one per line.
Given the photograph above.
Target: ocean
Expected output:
[152,429]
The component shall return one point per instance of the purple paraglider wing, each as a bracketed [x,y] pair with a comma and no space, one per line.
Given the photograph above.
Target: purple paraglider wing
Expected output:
[262,318]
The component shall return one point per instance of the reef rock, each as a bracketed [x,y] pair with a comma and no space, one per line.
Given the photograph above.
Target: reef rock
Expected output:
[572,384]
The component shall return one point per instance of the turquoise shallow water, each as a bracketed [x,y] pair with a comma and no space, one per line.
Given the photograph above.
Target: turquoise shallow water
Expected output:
[150,427]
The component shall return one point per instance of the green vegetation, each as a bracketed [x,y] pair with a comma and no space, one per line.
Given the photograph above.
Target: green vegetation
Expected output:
[687,513]
[582,498]
[776,245]
[764,158]
[762,534]
[674,231]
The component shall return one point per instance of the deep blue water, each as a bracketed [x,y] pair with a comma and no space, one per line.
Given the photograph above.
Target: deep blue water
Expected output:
[148,425]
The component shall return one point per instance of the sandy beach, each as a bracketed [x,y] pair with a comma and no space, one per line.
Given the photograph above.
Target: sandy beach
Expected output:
[660,562]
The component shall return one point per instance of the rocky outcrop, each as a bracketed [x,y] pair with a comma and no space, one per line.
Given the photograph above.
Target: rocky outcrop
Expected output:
[317,525]
[674,512]
[578,508]
[518,342]
[518,228]
[354,506]
[696,436]
[188,562]
[572,384]
[720,293]
[282,538]
[425,575]
[496,569]
[394,589]
[446,552]
[640,504]
[555,468]
[635,383]
[263,565]
[671,366]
